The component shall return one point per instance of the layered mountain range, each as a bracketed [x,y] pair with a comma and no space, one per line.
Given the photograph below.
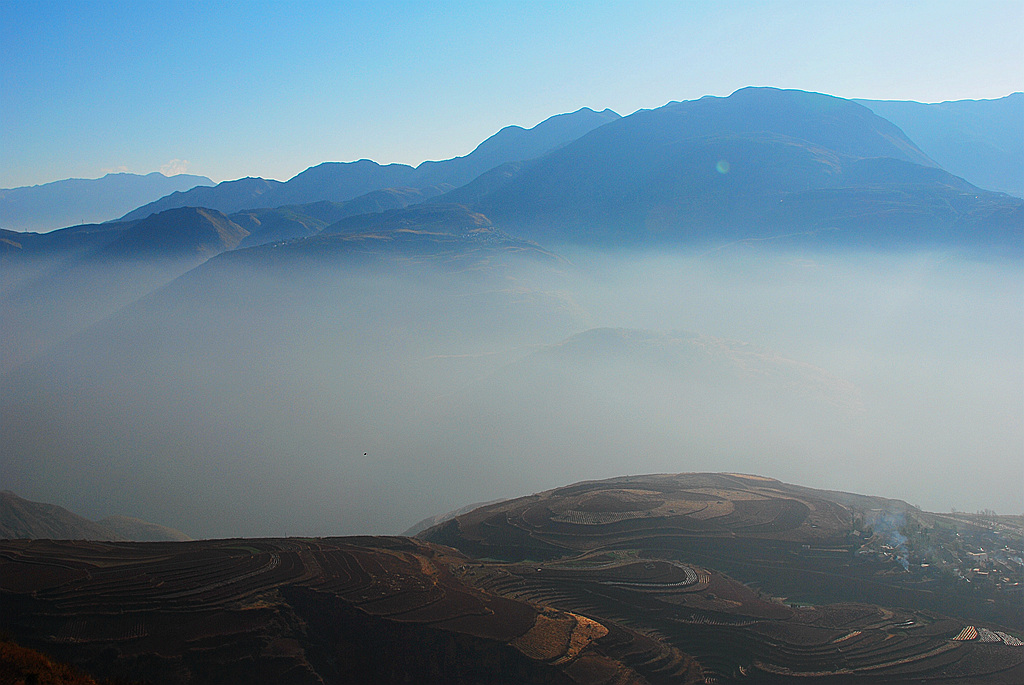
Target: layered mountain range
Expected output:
[341,181]
[761,163]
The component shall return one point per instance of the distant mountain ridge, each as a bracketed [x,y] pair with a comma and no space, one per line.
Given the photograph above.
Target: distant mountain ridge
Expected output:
[342,181]
[758,164]
[22,518]
[79,200]
[980,140]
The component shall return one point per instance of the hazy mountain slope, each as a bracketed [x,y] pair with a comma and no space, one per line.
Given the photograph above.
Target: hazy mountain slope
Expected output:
[206,382]
[77,200]
[71,278]
[980,140]
[25,256]
[301,221]
[760,163]
[22,518]
[226,196]
[341,181]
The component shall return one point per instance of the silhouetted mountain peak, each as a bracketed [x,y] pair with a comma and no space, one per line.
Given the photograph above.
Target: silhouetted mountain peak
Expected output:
[759,163]
[343,181]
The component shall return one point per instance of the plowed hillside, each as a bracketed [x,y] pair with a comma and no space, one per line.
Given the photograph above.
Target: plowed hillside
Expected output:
[298,611]
[639,511]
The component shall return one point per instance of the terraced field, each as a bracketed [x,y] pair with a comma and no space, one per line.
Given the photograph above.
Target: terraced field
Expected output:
[633,550]
[677,508]
[296,611]
[599,582]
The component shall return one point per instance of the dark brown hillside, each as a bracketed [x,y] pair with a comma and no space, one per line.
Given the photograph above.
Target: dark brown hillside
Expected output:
[388,609]
[347,610]
[798,542]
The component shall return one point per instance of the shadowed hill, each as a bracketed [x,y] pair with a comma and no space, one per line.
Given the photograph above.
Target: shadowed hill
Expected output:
[390,609]
[178,232]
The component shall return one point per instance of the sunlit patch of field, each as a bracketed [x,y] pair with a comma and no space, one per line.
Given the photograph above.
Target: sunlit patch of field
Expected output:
[585,631]
[549,637]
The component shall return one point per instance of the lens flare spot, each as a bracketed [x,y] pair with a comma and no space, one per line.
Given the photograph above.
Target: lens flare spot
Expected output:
[722,167]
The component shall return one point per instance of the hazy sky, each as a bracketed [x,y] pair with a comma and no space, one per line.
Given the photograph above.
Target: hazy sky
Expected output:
[229,89]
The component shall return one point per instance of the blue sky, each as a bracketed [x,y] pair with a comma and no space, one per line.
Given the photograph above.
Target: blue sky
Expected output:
[268,89]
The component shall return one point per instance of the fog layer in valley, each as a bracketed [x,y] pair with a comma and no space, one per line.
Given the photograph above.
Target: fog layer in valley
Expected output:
[302,395]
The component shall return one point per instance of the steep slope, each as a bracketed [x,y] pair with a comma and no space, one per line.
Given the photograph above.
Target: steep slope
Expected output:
[757,164]
[979,140]
[78,200]
[341,181]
